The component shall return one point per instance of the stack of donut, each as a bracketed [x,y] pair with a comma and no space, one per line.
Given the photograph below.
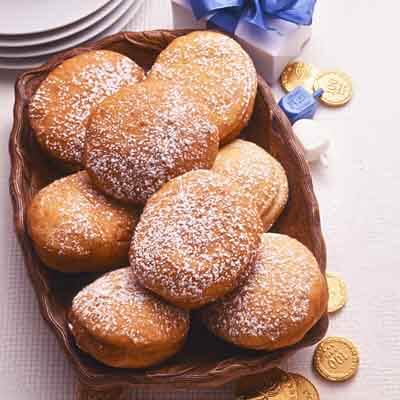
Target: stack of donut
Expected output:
[168,204]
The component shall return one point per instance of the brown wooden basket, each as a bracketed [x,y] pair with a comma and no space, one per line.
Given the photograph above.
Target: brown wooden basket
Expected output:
[205,361]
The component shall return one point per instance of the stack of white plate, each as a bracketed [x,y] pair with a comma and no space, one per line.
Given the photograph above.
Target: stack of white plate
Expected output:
[33,30]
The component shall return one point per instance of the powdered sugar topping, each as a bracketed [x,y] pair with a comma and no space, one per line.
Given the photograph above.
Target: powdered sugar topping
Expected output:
[145,135]
[260,177]
[61,106]
[81,219]
[276,298]
[195,240]
[217,70]
[116,306]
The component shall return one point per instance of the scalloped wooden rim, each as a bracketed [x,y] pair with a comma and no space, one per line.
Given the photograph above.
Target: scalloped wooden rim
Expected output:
[222,372]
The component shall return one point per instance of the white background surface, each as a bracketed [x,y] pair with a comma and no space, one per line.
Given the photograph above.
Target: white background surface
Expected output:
[360,208]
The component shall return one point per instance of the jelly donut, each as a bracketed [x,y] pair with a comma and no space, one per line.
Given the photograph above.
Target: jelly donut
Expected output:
[145,135]
[123,325]
[217,70]
[195,240]
[62,104]
[285,295]
[260,177]
[75,228]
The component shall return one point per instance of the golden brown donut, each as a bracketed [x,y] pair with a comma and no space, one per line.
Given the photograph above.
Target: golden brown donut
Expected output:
[75,228]
[260,177]
[122,325]
[217,70]
[145,135]
[284,297]
[61,106]
[195,240]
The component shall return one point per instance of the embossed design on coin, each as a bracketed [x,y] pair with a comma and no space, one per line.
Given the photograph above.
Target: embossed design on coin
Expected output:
[279,386]
[337,292]
[305,389]
[336,359]
[299,74]
[337,86]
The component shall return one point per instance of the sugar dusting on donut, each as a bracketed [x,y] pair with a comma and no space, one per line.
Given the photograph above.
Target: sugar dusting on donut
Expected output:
[193,235]
[64,101]
[114,305]
[276,296]
[260,177]
[82,213]
[146,135]
[216,68]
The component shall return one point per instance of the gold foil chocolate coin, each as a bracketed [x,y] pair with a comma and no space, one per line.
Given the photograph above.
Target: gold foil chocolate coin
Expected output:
[305,389]
[279,385]
[337,292]
[299,74]
[336,359]
[337,87]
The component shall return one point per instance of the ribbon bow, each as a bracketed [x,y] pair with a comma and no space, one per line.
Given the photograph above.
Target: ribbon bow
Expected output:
[226,14]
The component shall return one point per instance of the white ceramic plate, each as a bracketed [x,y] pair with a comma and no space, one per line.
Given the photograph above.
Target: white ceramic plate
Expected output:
[72,41]
[21,17]
[33,62]
[51,36]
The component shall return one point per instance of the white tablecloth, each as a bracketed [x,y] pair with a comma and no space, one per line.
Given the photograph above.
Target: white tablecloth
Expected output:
[360,208]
